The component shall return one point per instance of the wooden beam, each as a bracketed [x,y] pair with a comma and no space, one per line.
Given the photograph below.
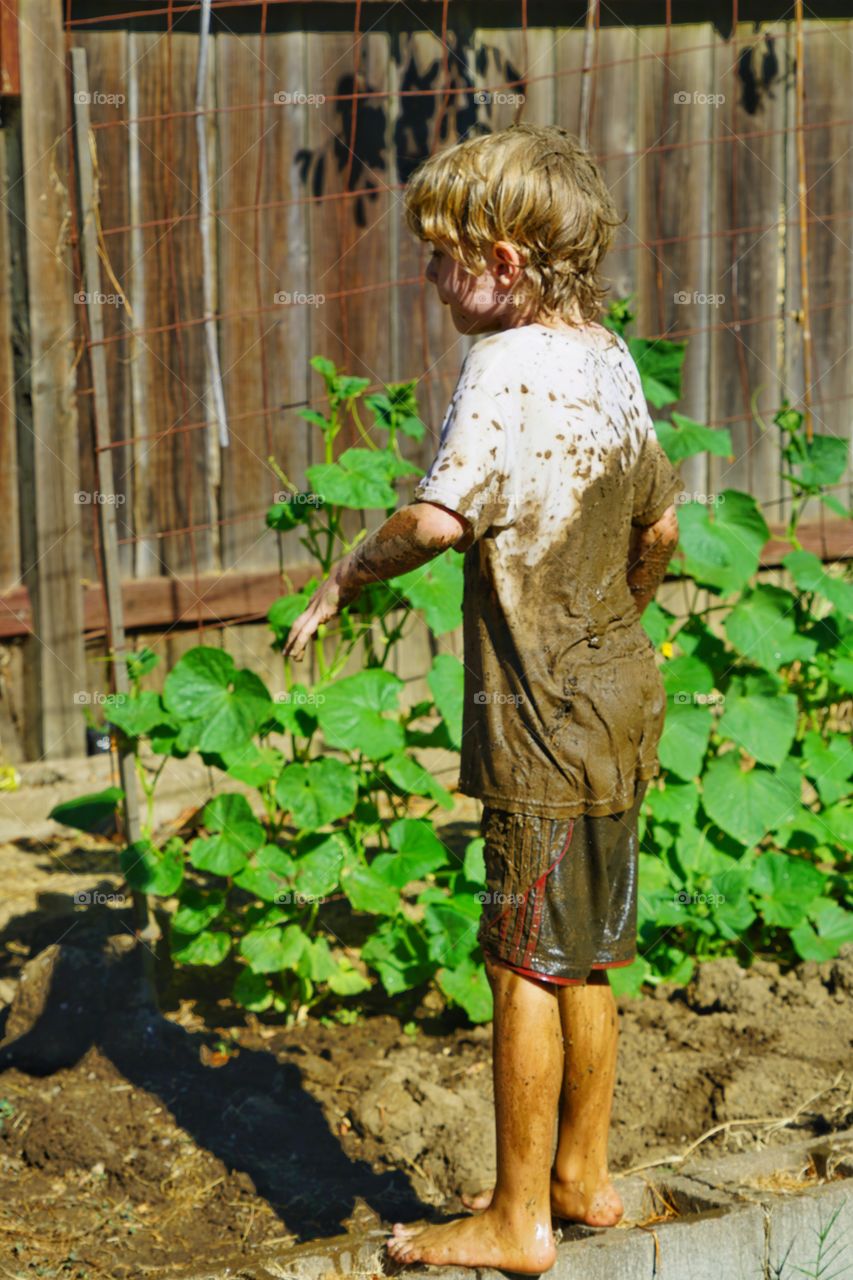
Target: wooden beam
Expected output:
[10,74]
[150,603]
[48,444]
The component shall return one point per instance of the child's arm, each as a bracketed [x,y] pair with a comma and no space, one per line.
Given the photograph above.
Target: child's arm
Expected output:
[650,551]
[409,538]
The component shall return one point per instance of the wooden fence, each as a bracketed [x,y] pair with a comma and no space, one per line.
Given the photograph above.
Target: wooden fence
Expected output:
[311,135]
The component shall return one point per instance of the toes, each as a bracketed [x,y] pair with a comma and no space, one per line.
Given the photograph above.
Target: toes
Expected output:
[403,1230]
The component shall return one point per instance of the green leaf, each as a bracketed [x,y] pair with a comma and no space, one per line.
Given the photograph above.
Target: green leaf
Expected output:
[676,803]
[684,438]
[274,949]
[745,805]
[684,740]
[627,980]
[90,812]
[252,991]
[197,910]
[436,588]
[762,626]
[351,715]
[368,891]
[786,885]
[824,461]
[360,479]
[837,822]
[318,871]
[656,622]
[452,926]
[829,764]
[347,981]
[686,676]
[296,710]
[659,362]
[759,718]
[227,704]
[318,792]
[722,541]
[399,955]
[413,779]
[419,852]
[446,680]
[735,913]
[256,766]
[467,985]
[150,870]
[208,948]
[238,833]
[809,574]
[268,875]
[137,715]
[140,662]
[474,866]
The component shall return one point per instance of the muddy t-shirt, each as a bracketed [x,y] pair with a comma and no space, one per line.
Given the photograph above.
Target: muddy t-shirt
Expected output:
[548,449]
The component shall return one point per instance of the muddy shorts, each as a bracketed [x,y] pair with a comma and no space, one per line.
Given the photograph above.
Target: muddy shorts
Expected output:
[561,893]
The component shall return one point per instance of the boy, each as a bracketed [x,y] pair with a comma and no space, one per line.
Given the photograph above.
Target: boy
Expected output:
[550,477]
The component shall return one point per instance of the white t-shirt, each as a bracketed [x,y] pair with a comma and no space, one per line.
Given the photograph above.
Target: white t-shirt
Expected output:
[548,449]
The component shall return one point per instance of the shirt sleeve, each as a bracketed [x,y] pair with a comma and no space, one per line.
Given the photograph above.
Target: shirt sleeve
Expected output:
[656,482]
[470,472]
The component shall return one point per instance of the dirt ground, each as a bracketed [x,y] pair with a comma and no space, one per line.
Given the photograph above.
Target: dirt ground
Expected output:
[138,1143]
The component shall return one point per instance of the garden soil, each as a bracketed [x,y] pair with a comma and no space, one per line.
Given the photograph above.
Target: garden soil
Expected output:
[137,1142]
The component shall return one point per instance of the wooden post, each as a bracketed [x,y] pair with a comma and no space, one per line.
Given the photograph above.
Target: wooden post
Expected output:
[47,417]
[106,486]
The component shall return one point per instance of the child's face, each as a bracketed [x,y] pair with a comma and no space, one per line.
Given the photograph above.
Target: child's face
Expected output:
[478,304]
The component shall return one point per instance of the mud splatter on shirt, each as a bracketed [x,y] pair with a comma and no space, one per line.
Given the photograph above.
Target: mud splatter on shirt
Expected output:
[548,449]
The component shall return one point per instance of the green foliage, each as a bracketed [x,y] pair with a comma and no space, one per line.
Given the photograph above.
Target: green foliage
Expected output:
[331,878]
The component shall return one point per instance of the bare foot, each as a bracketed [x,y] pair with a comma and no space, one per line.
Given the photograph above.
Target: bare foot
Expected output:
[484,1241]
[602,1207]
[599,1206]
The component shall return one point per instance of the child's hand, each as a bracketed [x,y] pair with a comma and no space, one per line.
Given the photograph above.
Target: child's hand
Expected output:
[330,597]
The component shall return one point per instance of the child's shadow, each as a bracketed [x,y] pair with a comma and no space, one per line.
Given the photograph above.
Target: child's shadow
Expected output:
[252,1113]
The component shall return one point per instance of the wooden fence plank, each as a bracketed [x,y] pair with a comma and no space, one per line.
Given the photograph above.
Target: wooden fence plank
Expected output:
[175,375]
[106,56]
[750,190]
[675,277]
[828,69]
[51,552]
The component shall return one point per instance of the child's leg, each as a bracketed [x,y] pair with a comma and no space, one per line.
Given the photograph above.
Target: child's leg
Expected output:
[514,1233]
[581,1186]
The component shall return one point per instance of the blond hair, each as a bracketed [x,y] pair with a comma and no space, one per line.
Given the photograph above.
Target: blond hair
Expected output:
[537,188]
